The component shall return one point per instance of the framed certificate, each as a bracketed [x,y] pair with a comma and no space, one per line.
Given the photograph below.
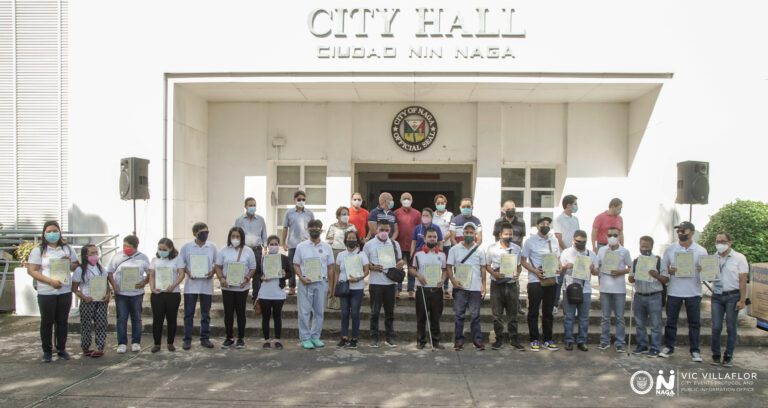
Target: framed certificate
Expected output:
[273,266]
[313,269]
[508,265]
[353,266]
[710,268]
[59,269]
[549,265]
[433,273]
[163,277]
[463,274]
[611,262]
[645,264]
[386,257]
[98,287]
[198,267]
[235,273]
[581,267]
[684,264]
[129,277]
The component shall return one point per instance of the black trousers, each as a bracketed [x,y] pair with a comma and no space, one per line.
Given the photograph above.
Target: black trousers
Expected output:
[271,308]
[543,297]
[504,302]
[165,308]
[292,276]
[234,303]
[256,281]
[434,302]
[54,312]
[382,295]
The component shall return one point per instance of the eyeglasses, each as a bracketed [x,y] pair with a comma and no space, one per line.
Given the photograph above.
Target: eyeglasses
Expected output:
[301,201]
[721,242]
[613,235]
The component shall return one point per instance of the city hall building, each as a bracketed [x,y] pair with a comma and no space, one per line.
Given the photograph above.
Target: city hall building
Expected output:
[493,100]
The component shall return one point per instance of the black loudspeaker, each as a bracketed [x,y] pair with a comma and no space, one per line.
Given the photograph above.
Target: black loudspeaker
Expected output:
[692,182]
[134,179]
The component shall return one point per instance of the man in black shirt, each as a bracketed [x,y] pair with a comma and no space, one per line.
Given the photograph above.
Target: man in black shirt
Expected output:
[509,214]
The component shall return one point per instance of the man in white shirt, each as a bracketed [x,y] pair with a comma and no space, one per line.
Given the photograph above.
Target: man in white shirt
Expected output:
[566,224]
[568,259]
[535,250]
[467,254]
[380,287]
[505,289]
[615,262]
[646,304]
[198,287]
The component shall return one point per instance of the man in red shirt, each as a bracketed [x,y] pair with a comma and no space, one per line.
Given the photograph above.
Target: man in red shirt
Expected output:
[407,220]
[358,216]
[604,221]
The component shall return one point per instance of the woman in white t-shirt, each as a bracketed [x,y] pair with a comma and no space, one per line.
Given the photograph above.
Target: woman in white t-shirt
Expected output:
[338,230]
[54,295]
[350,305]
[128,276]
[271,294]
[93,311]
[234,290]
[165,300]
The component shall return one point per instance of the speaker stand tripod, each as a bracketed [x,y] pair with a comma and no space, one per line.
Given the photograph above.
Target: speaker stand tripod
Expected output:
[690,212]
[134,217]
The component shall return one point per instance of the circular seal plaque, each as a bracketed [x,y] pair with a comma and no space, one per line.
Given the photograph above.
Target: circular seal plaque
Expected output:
[414,128]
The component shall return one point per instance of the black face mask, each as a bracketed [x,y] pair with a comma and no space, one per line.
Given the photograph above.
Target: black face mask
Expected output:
[431,245]
[682,237]
[351,244]
[314,234]
[507,240]
[510,213]
[645,252]
[544,230]
[580,245]
[202,236]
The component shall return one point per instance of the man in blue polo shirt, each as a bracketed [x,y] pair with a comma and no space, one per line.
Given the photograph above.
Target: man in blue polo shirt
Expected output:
[295,230]
[383,212]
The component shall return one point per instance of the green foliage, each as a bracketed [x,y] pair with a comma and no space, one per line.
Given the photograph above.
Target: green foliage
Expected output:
[23,250]
[747,223]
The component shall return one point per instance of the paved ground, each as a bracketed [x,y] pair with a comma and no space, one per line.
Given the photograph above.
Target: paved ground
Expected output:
[402,376]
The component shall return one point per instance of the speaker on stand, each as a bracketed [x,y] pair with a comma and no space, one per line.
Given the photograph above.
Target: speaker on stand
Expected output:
[692,184]
[134,182]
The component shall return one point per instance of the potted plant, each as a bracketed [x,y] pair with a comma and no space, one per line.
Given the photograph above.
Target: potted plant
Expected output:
[24,299]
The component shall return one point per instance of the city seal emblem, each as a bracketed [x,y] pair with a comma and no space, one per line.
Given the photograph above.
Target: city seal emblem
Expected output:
[414,128]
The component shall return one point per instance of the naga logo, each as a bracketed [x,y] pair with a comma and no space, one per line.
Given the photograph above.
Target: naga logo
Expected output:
[642,383]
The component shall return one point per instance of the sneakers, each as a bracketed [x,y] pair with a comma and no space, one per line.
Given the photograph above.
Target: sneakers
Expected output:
[603,346]
[420,346]
[716,361]
[569,346]
[122,348]
[666,352]
[342,343]
[307,345]
[517,346]
[390,343]
[696,357]
[374,344]
[727,361]
[653,353]
[63,355]
[47,357]
[135,347]
[582,347]
[186,345]
[352,344]
[621,349]
[171,348]
[267,345]
[155,348]
[278,345]
[640,350]
[551,346]
[227,344]
[206,343]
[479,346]
[240,344]
[535,346]
[317,343]
[458,346]
[497,344]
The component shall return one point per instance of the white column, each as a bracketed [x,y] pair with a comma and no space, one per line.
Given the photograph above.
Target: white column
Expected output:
[488,173]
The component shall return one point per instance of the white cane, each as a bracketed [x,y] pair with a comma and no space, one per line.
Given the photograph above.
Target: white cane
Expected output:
[631,313]
[426,311]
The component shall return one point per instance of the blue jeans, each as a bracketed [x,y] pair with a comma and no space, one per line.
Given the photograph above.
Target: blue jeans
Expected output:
[692,312]
[129,305]
[582,312]
[462,300]
[350,306]
[647,309]
[724,305]
[612,303]
[311,304]
[190,302]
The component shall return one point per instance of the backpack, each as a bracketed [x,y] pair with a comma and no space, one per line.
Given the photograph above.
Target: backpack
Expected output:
[575,293]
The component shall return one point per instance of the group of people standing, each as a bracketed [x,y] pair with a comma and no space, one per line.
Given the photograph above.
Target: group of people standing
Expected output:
[377,247]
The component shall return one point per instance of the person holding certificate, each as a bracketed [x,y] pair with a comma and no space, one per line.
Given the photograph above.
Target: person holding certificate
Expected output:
[382,253]
[128,276]
[579,265]
[311,263]
[614,261]
[649,280]
[276,267]
[89,283]
[351,266]
[729,296]
[235,266]
[504,268]
[50,265]
[681,261]
[197,258]
[255,238]
[466,269]
[428,269]
[165,277]
[535,250]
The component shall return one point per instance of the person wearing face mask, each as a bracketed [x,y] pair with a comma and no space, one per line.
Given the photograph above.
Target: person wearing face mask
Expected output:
[729,296]
[407,220]
[429,297]
[358,216]
[381,288]
[457,223]
[198,287]
[468,253]
[509,215]
[54,297]
[383,212]
[565,225]
[294,232]
[93,311]
[613,290]
[350,305]
[646,305]
[234,293]
[129,297]
[165,301]
[532,256]
[505,290]
[272,296]
[255,237]
[442,219]
[581,311]
[313,293]
[338,230]
[417,241]
[610,218]
[683,290]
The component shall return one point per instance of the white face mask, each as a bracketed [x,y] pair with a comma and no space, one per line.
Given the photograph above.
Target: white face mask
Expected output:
[406,203]
[357,203]
[300,204]
[344,218]
[613,241]
[235,242]
[721,248]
